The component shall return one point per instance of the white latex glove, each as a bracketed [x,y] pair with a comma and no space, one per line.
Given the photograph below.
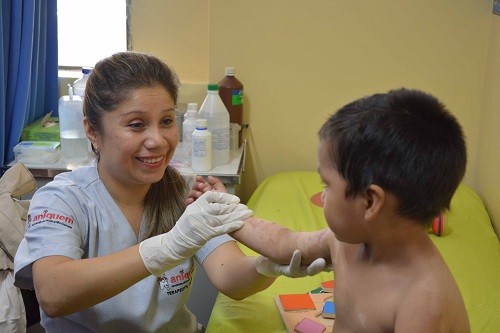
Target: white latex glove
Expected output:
[213,214]
[293,270]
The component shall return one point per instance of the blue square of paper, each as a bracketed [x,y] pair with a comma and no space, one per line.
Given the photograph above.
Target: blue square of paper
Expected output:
[329,307]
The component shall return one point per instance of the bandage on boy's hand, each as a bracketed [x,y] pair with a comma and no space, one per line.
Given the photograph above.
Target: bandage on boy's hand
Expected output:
[211,215]
[201,186]
[293,270]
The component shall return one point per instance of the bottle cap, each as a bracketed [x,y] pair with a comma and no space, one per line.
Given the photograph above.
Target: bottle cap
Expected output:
[86,70]
[229,71]
[192,106]
[213,87]
[201,123]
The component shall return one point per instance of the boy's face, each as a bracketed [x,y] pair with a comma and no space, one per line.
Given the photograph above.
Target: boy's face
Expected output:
[343,215]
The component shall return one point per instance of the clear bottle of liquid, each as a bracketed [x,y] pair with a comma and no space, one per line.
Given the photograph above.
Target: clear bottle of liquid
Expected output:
[217,116]
[79,84]
[201,158]
[74,142]
[231,93]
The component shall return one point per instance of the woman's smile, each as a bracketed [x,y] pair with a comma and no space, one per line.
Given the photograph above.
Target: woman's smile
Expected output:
[151,160]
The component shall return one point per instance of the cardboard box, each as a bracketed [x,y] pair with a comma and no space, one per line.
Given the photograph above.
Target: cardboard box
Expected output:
[43,129]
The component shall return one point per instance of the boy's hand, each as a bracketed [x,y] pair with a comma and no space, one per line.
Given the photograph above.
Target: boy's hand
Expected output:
[293,270]
[201,186]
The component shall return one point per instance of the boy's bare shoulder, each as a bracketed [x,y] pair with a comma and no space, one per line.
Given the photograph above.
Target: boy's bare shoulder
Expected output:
[433,303]
[415,292]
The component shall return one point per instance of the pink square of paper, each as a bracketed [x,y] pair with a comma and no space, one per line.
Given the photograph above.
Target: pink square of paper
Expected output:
[309,326]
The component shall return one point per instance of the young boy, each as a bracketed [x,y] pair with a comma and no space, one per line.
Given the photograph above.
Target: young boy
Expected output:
[390,164]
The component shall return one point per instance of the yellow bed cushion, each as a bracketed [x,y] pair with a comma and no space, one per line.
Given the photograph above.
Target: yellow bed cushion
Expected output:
[468,244]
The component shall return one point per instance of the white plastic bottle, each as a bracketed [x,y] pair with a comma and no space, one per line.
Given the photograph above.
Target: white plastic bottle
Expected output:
[214,110]
[201,158]
[74,142]
[189,123]
[79,84]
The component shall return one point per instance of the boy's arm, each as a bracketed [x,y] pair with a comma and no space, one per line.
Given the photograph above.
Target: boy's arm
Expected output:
[246,236]
[278,243]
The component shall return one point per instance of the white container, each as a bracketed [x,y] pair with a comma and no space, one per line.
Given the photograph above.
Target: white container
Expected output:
[74,142]
[234,138]
[201,158]
[188,126]
[44,152]
[79,84]
[217,116]
[180,111]
[181,158]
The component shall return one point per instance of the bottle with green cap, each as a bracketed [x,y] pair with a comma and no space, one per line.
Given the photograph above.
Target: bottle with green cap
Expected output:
[217,116]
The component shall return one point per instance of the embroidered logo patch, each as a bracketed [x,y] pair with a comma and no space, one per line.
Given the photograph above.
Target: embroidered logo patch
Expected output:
[49,217]
[175,282]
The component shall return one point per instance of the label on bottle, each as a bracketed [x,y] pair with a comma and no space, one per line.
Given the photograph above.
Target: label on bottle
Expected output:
[200,147]
[202,151]
[220,139]
[237,97]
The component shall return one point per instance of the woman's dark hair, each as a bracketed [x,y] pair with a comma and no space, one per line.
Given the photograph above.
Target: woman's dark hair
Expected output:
[109,85]
[406,142]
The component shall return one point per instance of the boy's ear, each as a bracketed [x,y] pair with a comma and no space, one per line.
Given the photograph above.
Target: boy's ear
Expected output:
[375,199]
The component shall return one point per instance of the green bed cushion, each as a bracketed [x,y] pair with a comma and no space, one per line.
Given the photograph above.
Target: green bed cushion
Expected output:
[471,249]
[469,245]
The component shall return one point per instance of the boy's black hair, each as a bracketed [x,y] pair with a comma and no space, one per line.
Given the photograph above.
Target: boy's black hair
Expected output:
[406,142]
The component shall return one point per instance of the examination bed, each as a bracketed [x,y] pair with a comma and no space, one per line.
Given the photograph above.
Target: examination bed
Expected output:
[468,244]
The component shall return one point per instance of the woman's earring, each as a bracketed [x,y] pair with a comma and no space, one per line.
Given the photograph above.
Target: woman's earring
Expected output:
[96,151]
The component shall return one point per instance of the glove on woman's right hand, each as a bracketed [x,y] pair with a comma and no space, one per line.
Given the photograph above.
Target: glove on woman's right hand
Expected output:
[213,214]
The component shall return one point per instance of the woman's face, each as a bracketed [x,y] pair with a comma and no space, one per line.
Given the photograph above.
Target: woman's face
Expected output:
[138,138]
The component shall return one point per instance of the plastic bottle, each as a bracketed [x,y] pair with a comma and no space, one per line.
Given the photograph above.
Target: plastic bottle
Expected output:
[231,93]
[79,90]
[201,158]
[188,126]
[79,84]
[217,116]
[234,130]
[179,119]
[74,142]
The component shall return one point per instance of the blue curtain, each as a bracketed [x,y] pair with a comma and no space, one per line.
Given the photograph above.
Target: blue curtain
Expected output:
[28,67]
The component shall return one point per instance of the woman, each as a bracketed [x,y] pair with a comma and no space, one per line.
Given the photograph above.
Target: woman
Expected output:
[111,247]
